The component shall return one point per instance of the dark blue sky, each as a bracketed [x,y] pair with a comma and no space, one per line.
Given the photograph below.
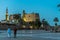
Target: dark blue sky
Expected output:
[46,8]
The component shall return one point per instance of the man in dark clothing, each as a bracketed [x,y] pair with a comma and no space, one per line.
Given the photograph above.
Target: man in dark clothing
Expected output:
[15,32]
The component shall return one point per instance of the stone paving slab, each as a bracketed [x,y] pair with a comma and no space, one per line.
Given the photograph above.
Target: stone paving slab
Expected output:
[22,35]
[25,38]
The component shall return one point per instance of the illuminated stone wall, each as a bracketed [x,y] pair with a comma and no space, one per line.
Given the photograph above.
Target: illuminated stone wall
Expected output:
[31,17]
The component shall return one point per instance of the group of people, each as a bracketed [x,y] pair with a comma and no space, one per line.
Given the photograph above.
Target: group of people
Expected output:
[14,31]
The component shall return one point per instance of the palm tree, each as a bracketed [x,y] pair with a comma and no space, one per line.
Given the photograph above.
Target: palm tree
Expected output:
[45,24]
[56,20]
[58,6]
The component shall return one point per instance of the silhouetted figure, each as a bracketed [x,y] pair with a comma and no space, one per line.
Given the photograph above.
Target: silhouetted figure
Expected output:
[15,32]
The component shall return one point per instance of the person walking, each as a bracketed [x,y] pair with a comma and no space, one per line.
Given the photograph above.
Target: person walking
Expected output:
[15,32]
[9,32]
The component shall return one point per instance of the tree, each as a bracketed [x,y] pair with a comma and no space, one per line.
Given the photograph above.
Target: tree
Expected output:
[37,24]
[58,6]
[16,16]
[45,24]
[56,20]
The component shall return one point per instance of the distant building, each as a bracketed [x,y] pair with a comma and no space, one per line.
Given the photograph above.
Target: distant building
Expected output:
[31,17]
[27,21]
[11,17]
[15,18]
[7,17]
